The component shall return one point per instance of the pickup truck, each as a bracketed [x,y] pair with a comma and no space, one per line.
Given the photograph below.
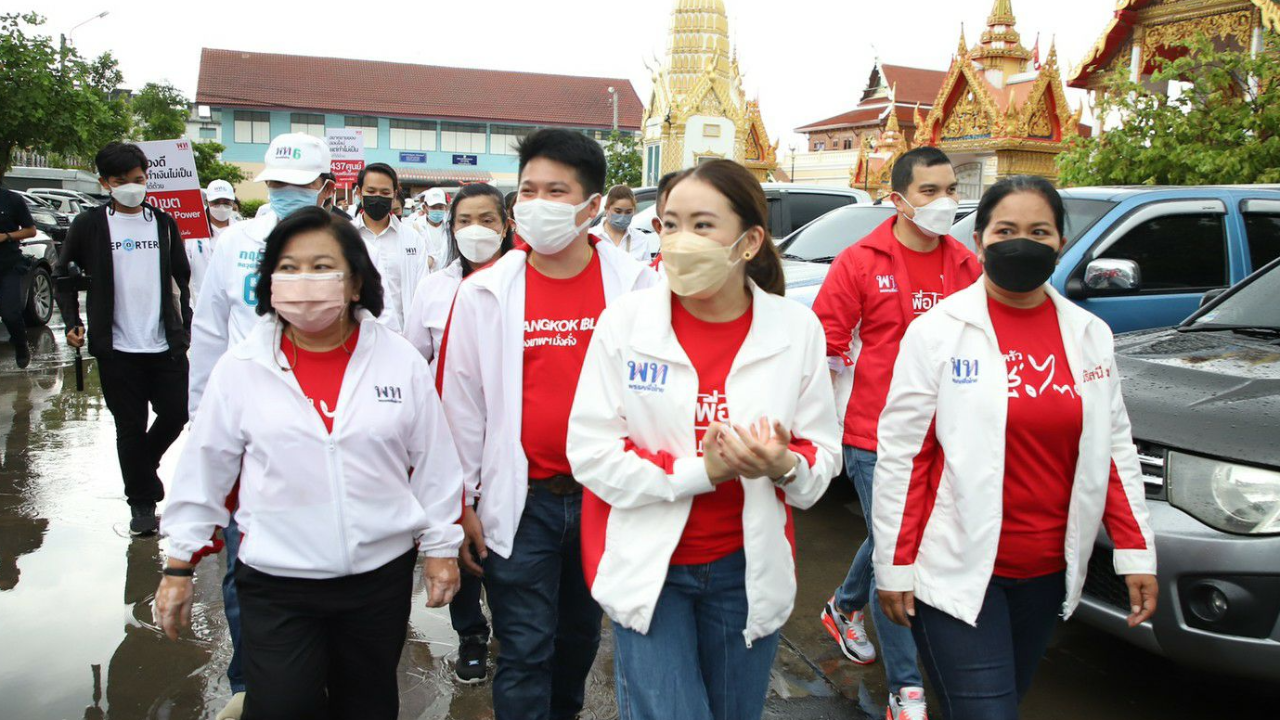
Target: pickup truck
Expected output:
[1144,257]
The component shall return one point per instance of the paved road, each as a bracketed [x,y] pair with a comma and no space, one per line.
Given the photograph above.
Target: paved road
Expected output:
[79,642]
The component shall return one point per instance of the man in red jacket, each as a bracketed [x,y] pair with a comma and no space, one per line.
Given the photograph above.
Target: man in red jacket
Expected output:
[875,289]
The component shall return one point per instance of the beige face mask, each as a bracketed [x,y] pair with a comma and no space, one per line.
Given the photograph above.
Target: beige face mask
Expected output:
[695,264]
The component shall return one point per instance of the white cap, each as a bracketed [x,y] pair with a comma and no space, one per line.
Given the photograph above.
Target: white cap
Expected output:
[434,196]
[296,159]
[219,190]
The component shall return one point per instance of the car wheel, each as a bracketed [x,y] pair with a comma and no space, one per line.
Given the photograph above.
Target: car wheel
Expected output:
[39,298]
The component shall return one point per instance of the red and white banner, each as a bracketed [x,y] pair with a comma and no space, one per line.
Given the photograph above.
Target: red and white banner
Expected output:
[346,155]
[174,187]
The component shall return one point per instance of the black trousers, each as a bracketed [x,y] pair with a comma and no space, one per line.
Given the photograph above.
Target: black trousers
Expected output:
[131,383]
[465,612]
[12,304]
[316,649]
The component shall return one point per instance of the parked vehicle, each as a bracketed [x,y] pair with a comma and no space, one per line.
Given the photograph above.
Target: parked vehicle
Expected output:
[48,220]
[73,199]
[808,252]
[1142,257]
[1204,399]
[37,287]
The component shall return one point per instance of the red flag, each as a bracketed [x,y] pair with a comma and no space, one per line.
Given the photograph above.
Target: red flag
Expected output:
[1035,53]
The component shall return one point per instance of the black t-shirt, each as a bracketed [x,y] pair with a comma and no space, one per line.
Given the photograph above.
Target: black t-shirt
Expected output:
[14,216]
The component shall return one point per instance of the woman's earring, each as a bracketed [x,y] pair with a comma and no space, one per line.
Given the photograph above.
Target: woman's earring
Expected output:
[746,256]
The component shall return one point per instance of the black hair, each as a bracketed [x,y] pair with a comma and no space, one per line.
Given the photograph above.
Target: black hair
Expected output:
[904,171]
[117,159]
[510,201]
[571,148]
[476,190]
[381,168]
[664,186]
[1020,184]
[317,218]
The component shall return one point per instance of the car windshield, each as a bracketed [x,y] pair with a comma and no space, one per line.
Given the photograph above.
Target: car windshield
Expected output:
[1253,306]
[825,237]
[1081,215]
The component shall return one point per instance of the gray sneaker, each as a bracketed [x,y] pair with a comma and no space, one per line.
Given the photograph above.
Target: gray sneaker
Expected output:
[849,632]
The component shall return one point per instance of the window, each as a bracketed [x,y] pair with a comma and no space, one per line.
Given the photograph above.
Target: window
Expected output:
[711,131]
[370,127]
[208,133]
[1264,238]
[413,135]
[827,237]
[503,138]
[462,137]
[819,147]
[309,123]
[653,162]
[253,127]
[848,144]
[1181,253]
[807,207]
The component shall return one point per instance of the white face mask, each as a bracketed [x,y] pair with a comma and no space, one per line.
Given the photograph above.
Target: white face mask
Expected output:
[477,243]
[936,218]
[221,213]
[131,195]
[549,226]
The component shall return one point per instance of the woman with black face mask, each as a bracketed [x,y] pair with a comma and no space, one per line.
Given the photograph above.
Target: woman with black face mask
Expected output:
[1004,446]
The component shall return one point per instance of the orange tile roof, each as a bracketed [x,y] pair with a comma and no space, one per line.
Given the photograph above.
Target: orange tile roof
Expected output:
[231,78]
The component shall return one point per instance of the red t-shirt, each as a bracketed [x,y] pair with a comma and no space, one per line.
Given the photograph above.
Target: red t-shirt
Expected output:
[714,528]
[320,374]
[1042,441]
[925,272]
[559,319]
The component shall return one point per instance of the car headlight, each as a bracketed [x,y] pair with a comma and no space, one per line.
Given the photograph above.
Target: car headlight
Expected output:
[1223,495]
[44,218]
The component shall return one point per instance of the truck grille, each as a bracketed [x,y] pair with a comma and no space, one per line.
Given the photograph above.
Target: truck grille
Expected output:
[1103,584]
[1152,458]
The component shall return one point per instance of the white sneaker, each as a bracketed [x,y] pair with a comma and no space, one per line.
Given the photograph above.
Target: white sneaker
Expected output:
[908,704]
[849,632]
[234,709]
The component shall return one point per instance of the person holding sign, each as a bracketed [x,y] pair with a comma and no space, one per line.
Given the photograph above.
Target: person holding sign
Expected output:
[139,307]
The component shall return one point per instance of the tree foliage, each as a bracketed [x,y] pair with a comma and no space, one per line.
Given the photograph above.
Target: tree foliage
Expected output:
[625,160]
[54,103]
[1221,125]
[161,111]
[210,168]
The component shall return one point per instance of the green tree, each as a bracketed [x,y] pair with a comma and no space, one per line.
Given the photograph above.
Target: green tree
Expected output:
[210,168]
[1221,126]
[54,103]
[161,111]
[625,160]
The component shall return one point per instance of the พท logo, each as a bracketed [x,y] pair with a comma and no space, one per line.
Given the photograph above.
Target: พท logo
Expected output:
[887,283]
[285,152]
[388,393]
[647,376]
[964,371]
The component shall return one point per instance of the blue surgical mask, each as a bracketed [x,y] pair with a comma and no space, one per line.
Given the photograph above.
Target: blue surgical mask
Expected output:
[620,221]
[289,199]
[435,216]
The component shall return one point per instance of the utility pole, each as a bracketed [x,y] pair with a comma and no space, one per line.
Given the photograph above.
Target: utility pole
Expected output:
[62,48]
[793,163]
[614,92]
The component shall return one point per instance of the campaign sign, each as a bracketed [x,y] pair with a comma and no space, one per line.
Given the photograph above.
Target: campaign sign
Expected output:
[412,157]
[174,187]
[466,159]
[346,155]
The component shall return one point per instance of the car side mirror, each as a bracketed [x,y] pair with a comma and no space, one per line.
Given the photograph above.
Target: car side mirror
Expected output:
[1112,277]
[1211,296]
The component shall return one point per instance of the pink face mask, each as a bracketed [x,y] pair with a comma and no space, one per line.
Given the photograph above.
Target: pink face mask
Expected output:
[311,302]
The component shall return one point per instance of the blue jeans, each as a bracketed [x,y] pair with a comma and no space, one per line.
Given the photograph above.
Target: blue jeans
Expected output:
[545,620]
[897,647]
[983,672]
[231,604]
[694,663]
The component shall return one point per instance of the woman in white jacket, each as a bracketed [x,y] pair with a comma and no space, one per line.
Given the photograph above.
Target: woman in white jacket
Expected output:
[1004,447]
[703,414]
[346,469]
[478,234]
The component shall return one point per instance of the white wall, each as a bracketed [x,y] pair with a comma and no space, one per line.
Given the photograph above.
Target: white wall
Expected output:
[695,142]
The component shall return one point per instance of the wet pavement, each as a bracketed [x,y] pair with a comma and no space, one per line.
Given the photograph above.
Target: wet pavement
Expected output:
[77,638]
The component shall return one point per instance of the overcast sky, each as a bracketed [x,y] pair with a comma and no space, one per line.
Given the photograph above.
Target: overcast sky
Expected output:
[806,59]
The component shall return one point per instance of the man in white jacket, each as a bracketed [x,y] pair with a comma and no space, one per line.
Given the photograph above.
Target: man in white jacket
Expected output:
[516,346]
[396,249]
[428,222]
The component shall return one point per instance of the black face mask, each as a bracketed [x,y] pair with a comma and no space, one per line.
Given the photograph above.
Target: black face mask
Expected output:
[1019,265]
[376,207]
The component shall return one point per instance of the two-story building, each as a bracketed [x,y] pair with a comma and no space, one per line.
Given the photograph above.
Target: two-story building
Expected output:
[438,126]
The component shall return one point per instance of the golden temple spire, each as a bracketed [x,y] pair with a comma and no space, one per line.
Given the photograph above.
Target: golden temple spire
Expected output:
[1002,14]
[1001,46]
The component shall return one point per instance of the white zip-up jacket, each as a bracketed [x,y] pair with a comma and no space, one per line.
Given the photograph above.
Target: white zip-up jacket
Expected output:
[402,254]
[315,504]
[939,479]
[225,311]
[483,383]
[780,373]
[424,325]
[635,242]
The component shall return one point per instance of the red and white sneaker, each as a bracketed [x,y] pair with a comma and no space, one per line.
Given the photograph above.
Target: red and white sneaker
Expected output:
[850,633]
[908,704]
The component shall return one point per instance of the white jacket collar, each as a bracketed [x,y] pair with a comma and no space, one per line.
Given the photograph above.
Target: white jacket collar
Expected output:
[766,337]
[260,227]
[617,267]
[970,305]
[263,343]
[360,224]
